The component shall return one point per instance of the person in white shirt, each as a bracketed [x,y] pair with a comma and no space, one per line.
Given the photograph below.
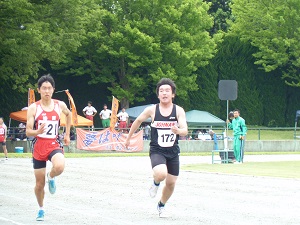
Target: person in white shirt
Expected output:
[123,118]
[105,116]
[89,111]
[3,134]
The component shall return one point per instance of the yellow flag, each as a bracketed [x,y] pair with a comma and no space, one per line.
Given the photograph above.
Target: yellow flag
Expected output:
[73,108]
[114,113]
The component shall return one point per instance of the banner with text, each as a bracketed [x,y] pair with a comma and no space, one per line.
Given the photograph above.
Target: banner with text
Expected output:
[108,139]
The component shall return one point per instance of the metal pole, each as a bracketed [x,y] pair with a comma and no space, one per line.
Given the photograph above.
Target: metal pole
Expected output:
[226,130]
[295,131]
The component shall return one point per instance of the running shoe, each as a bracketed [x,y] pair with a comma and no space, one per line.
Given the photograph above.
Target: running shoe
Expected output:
[40,215]
[51,184]
[162,212]
[153,190]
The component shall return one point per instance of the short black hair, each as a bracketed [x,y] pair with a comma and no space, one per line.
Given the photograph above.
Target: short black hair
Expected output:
[46,78]
[236,110]
[90,102]
[167,81]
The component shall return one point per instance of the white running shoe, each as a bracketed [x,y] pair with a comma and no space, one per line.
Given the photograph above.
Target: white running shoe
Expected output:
[162,212]
[153,190]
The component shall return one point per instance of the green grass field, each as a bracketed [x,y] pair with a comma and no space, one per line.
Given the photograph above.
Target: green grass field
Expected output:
[286,169]
[269,134]
[283,169]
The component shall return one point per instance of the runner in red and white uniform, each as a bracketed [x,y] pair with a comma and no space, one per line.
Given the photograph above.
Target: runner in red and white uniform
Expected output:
[43,124]
[3,134]
[168,123]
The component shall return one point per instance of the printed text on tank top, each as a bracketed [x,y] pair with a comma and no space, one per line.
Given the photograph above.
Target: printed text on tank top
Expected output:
[165,136]
[50,118]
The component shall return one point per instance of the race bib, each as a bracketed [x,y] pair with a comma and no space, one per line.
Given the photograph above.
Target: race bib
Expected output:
[1,131]
[166,138]
[51,129]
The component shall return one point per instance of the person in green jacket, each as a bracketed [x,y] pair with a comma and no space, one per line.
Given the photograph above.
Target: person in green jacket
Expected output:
[239,132]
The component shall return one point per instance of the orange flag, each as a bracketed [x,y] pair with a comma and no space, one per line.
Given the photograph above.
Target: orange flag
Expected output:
[31,96]
[114,113]
[73,108]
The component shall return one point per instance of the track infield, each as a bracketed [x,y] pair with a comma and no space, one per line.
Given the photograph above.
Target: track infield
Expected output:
[114,190]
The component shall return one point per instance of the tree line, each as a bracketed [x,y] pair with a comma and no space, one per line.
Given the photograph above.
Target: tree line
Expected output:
[100,48]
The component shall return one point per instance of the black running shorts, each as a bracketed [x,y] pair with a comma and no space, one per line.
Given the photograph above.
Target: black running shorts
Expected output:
[171,163]
[38,164]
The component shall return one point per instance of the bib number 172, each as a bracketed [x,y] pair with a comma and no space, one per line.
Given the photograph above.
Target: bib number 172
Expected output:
[166,138]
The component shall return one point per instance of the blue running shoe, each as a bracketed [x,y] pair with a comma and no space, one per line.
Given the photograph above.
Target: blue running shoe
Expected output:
[51,184]
[40,216]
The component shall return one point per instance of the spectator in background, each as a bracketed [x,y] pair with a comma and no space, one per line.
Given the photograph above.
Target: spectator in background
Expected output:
[3,134]
[203,135]
[230,116]
[212,134]
[22,132]
[214,138]
[123,119]
[239,132]
[230,154]
[105,116]
[130,123]
[147,130]
[89,111]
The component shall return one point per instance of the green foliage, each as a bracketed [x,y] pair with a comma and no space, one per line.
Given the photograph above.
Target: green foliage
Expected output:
[221,12]
[31,33]
[136,43]
[271,26]
[123,48]
[273,98]
[233,61]
[206,98]
[10,101]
